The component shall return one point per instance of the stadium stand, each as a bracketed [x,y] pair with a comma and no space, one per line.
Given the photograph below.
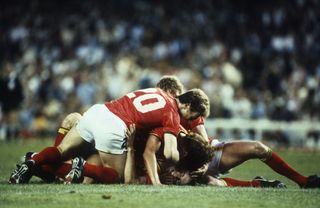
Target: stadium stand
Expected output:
[255,60]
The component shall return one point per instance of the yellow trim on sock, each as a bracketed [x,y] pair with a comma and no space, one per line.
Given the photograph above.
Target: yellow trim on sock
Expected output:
[63,131]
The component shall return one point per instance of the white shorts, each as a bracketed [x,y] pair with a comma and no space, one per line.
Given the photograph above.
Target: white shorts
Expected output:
[213,168]
[102,128]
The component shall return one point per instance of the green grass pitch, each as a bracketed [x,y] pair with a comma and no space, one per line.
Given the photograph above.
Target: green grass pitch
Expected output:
[36,194]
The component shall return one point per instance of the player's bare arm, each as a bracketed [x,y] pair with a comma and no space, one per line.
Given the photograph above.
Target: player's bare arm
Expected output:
[129,171]
[170,148]
[200,129]
[149,156]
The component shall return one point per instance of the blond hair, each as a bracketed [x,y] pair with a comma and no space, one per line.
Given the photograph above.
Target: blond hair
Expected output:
[170,84]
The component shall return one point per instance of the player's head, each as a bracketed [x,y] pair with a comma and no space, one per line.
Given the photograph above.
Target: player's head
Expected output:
[194,151]
[170,84]
[181,177]
[194,103]
[194,154]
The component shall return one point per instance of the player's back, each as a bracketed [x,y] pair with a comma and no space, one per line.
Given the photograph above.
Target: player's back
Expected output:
[147,108]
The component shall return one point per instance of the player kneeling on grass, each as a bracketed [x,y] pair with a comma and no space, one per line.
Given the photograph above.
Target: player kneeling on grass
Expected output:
[74,170]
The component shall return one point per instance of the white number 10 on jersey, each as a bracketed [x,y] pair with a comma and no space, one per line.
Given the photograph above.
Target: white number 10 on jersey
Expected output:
[137,101]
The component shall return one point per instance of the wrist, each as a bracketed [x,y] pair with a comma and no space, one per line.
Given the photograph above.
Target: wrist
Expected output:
[130,149]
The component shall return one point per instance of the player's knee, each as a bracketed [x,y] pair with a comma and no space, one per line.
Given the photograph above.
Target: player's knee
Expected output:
[64,149]
[70,120]
[260,150]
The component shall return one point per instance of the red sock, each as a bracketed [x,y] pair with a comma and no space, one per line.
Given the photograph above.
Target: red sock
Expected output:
[100,174]
[44,173]
[62,170]
[60,135]
[283,168]
[234,182]
[48,155]
[57,170]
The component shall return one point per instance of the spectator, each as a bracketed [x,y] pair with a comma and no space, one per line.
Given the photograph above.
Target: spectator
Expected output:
[11,97]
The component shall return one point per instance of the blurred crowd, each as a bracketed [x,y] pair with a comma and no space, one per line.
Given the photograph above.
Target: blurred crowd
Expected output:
[254,59]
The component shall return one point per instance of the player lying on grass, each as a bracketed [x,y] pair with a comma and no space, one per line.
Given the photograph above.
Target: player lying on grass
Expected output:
[162,170]
[229,155]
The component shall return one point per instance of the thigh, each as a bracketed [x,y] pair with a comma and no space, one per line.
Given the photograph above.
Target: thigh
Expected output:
[93,157]
[234,153]
[72,144]
[115,161]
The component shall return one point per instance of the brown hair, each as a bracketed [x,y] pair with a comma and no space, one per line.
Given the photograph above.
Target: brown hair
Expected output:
[198,100]
[170,84]
[198,152]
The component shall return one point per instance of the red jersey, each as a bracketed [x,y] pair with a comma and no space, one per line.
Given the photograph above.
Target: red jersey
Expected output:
[147,108]
[185,126]
[189,125]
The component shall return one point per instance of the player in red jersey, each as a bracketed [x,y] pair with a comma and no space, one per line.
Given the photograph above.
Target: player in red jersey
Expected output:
[145,108]
[169,84]
[102,174]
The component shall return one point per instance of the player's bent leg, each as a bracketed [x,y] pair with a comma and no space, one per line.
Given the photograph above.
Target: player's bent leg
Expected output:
[70,120]
[67,123]
[236,152]
[72,144]
[276,163]
[50,155]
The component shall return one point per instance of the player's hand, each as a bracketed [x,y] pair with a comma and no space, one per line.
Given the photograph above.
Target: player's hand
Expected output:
[130,135]
[167,178]
[158,184]
[199,173]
